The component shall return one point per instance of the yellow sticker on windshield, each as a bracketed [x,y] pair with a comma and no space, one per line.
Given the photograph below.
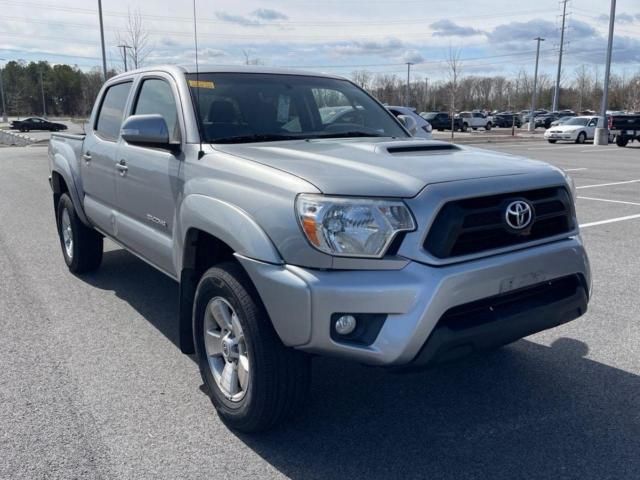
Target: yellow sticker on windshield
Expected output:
[201,84]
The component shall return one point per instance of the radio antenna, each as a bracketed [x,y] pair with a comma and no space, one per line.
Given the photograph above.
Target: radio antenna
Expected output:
[195,39]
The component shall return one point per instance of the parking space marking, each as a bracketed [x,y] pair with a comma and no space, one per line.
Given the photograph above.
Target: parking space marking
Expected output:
[608,184]
[552,147]
[575,169]
[611,220]
[610,201]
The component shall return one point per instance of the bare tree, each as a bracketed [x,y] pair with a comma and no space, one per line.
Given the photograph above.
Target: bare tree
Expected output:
[136,38]
[249,60]
[455,70]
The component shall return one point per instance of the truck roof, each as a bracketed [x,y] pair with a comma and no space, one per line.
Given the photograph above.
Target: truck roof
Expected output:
[176,69]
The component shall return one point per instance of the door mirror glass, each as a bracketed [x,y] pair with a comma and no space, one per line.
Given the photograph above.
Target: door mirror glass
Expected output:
[409,123]
[147,131]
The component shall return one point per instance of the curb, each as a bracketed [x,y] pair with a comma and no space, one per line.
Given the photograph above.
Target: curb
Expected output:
[15,139]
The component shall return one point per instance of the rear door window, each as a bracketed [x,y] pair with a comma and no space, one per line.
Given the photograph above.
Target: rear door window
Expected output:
[111,111]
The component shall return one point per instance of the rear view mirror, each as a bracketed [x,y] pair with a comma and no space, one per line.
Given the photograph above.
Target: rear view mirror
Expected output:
[147,131]
[409,123]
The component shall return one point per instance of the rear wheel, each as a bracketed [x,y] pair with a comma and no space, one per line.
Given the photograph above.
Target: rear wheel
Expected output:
[253,380]
[488,126]
[621,140]
[465,127]
[81,245]
[582,137]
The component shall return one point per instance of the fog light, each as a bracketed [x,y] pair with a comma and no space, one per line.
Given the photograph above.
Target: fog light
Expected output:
[345,324]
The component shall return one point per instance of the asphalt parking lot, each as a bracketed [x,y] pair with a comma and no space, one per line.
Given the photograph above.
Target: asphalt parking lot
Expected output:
[92,384]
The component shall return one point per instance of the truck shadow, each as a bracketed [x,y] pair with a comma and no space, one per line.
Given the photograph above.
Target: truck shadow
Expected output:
[525,411]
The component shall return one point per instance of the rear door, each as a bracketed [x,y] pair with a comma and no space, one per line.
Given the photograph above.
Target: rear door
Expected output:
[591,127]
[147,190]
[99,157]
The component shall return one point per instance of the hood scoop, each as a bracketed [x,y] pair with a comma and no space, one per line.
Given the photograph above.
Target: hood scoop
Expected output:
[421,148]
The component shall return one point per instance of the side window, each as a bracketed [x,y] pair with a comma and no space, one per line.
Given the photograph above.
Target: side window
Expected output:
[156,97]
[593,122]
[112,110]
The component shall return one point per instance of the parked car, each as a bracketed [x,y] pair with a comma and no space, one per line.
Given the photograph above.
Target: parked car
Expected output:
[475,120]
[561,120]
[507,120]
[442,121]
[291,237]
[37,123]
[424,127]
[546,119]
[625,128]
[578,130]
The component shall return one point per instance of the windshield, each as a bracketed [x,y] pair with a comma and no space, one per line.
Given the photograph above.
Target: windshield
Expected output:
[578,121]
[255,107]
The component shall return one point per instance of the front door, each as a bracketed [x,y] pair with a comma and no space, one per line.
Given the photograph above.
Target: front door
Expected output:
[99,156]
[148,186]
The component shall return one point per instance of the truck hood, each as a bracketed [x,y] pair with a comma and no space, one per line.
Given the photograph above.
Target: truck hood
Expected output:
[379,167]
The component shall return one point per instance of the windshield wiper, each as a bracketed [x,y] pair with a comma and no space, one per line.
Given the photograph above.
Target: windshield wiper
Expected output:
[262,137]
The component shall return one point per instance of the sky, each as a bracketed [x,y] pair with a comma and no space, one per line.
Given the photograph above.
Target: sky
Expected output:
[492,37]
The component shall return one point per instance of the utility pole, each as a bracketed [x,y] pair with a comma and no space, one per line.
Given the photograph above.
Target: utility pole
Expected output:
[44,105]
[556,93]
[602,133]
[124,54]
[532,120]
[406,97]
[104,55]
[4,108]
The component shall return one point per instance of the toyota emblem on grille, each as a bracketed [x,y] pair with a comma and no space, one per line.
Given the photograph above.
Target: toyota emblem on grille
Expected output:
[518,215]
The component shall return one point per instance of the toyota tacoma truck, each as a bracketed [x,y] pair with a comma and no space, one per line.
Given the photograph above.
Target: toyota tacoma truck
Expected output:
[292,236]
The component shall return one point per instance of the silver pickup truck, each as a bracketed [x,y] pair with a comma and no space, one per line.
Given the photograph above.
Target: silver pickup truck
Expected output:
[300,217]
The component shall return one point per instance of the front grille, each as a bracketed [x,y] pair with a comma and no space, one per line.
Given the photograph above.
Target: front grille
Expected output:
[475,225]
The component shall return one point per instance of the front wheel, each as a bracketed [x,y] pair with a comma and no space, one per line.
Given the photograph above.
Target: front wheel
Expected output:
[582,137]
[552,141]
[253,380]
[488,126]
[465,127]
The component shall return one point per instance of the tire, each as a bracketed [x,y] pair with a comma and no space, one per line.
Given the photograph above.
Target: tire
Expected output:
[277,378]
[552,141]
[465,127]
[83,253]
[474,128]
[582,137]
[487,127]
[621,141]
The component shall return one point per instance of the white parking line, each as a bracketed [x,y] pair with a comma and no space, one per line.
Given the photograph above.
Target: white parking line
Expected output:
[608,184]
[611,220]
[575,169]
[610,201]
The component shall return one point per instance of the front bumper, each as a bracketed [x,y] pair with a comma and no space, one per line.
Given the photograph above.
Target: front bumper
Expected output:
[560,136]
[415,299]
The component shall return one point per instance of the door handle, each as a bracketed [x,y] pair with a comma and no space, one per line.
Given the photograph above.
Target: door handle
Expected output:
[122,167]
[87,157]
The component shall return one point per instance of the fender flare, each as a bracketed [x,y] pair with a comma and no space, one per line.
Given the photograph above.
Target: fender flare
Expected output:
[60,165]
[228,223]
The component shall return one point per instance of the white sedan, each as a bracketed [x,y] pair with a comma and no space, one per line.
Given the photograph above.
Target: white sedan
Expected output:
[578,130]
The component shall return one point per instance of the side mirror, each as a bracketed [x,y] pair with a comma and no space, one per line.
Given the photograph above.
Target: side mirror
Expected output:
[147,131]
[409,123]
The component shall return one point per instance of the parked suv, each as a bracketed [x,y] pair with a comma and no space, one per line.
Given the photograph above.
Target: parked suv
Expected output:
[507,120]
[292,233]
[475,120]
[441,120]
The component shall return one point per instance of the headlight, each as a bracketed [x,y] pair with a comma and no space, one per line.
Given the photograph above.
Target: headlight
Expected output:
[352,227]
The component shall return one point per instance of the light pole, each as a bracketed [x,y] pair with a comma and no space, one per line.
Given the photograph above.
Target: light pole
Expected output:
[44,104]
[408,80]
[124,54]
[532,120]
[104,55]
[602,132]
[4,108]
[556,93]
